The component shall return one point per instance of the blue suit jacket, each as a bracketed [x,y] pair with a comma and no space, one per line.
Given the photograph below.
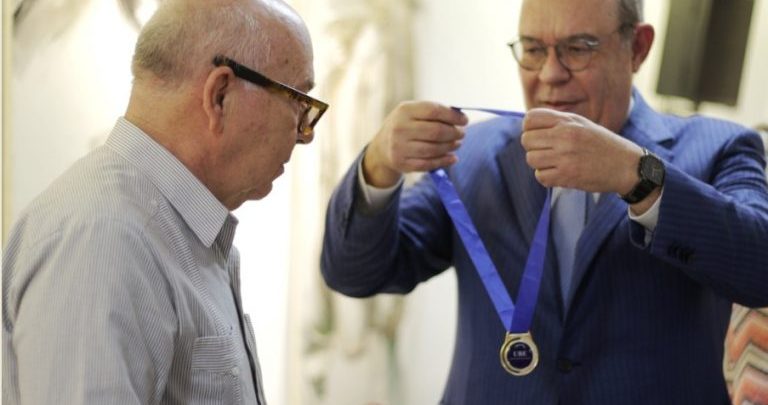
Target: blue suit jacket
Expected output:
[645,324]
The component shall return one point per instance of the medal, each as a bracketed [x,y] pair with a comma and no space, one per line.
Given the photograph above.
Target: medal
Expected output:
[519,354]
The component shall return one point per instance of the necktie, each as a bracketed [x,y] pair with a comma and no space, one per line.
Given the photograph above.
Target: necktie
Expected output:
[569,215]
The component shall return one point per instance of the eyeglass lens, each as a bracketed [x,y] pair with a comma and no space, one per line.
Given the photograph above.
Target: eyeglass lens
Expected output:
[574,54]
[310,116]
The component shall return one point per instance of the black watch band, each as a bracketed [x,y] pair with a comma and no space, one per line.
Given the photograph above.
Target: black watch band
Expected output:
[651,171]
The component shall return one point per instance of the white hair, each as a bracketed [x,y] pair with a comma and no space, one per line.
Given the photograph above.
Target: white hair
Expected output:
[182,37]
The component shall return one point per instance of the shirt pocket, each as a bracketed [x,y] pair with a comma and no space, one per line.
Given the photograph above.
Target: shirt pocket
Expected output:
[215,372]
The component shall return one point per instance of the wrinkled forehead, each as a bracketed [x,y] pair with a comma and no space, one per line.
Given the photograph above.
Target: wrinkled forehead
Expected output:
[557,19]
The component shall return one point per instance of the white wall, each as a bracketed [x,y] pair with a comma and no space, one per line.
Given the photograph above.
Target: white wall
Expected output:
[462,57]
[66,99]
[3,122]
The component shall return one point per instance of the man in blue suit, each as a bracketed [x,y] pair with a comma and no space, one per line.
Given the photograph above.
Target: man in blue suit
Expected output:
[679,230]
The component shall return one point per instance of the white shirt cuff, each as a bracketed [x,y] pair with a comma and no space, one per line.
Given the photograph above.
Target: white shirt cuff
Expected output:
[649,219]
[374,198]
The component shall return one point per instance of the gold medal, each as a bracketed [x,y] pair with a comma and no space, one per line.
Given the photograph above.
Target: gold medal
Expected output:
[519,354]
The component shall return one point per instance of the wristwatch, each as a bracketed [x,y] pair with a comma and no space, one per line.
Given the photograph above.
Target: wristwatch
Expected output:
[651,172]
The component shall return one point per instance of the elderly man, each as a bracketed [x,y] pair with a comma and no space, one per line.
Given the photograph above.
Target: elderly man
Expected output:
[631,310]
[120,282]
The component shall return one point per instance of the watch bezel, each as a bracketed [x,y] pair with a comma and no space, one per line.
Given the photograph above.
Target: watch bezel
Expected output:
[651,171]
[651,168]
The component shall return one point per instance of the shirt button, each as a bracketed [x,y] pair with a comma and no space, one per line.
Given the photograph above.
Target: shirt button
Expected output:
[235,371]
[564,365]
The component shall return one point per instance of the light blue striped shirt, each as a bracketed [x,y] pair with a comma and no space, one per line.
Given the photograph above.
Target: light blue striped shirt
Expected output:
[121,286]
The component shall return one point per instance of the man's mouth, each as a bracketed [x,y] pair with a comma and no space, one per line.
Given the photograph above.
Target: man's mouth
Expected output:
[560,105]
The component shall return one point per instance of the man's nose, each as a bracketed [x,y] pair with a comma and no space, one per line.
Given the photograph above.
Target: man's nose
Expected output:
[553,71]
[305,137]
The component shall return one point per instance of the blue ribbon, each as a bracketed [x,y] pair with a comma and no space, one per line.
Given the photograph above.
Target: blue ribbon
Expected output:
[503,113]
[516,319]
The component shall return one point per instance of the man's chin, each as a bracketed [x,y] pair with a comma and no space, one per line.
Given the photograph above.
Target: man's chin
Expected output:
[258,194]
[251,195]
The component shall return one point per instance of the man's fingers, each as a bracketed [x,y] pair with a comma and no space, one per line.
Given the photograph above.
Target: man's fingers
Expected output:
[538,139]
[427,131]
[435,112]
[550,177]
[431,150]
[541,118]
[423,165]
[541,159]
[421,156]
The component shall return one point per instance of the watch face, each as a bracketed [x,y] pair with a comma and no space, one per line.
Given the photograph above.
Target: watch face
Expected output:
[652,169]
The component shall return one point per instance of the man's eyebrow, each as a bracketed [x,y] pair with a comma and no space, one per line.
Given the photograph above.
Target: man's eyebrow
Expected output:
[529,38]
[578,36]
[583,35]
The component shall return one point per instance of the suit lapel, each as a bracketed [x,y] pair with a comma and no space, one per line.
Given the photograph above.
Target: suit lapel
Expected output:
[527,197]
[607,214]
[645,128]
[526,194]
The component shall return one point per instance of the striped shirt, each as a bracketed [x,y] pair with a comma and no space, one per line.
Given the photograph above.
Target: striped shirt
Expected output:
[121,286]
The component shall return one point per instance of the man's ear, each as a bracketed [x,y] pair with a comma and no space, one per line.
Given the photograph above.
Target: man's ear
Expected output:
[641,44]
[215,90]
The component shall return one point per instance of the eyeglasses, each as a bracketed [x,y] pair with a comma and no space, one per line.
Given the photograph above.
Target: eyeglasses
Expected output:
[574,53]
[312,108]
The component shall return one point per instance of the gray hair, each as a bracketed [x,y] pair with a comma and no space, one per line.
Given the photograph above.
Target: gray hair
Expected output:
[630,14]
[182,37]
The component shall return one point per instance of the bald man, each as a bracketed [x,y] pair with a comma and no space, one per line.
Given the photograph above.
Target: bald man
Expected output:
[120,282]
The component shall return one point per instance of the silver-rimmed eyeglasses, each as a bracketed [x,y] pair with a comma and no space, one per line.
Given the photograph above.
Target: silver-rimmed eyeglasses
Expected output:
[574,53]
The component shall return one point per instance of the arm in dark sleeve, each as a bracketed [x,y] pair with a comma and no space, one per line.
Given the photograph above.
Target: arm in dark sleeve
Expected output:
[389,251]
[716,230]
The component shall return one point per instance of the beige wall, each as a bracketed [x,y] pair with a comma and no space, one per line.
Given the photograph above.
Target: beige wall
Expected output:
[4,123]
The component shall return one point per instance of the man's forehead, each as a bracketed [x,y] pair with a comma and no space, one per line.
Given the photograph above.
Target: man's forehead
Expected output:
[564,18]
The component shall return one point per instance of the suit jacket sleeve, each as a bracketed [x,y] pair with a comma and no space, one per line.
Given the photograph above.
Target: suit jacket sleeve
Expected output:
[364,254]
[715,227]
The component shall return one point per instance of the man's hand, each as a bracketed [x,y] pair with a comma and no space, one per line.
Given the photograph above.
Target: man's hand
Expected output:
[568,150]
[416,136]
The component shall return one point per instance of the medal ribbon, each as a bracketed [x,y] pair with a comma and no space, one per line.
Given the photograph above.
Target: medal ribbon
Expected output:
[516,319]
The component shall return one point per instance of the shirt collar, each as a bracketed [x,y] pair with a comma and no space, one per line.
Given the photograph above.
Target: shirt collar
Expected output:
[205,215]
